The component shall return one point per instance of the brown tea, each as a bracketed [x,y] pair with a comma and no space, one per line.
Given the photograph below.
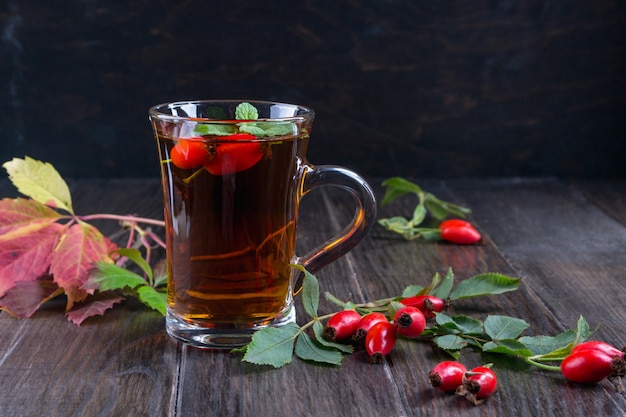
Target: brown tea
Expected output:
[233,237]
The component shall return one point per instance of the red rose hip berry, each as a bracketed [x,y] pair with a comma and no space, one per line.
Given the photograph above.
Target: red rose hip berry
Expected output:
[342,325]
[478,384]
[189,153]
[459,232]
[366,323]
[409,321]
[428,304]
[380,340]
[447,376]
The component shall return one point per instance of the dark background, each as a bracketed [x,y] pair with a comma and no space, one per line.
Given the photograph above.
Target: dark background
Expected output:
[415,88]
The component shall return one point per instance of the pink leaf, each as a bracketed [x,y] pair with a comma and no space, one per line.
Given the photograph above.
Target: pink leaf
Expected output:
[79,249]
[25,298]
[95,305]
[26,255]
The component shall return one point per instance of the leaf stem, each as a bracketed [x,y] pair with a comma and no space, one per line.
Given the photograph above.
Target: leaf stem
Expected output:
[123,218]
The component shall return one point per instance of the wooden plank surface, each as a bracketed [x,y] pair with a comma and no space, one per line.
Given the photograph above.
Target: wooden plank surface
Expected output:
[565,241]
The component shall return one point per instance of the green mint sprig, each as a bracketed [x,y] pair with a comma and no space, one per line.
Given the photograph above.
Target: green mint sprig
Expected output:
[428,204]
[247,113]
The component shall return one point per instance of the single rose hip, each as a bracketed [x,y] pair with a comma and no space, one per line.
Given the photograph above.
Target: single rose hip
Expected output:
[380,340]
[598,345]
[428,304]
[459,232]
[189,153]
[342,325]
[409,321]
[478,384]
[588,366]
[447,376]
[366,323]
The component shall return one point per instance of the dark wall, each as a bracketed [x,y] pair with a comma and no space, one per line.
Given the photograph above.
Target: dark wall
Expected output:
[407,87]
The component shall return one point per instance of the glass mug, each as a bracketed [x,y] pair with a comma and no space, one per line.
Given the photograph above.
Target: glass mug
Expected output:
[232,183]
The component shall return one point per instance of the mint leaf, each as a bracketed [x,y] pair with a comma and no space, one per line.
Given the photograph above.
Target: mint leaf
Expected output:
[277,129]
[504,327]
[309,349]
[272,345]
[252,129]
[484,284]
[215,129]
[246,111]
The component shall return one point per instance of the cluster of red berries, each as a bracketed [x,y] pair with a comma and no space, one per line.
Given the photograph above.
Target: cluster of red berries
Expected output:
[376,332]
[591,362]
[459,231]
[476,384]
[225,158]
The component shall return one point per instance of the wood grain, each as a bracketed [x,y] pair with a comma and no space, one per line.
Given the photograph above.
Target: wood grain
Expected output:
[567,248]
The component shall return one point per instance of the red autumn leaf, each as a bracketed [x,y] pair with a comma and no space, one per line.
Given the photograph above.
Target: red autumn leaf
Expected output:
[25,298]
[80,247]
[28,235]
[93,306]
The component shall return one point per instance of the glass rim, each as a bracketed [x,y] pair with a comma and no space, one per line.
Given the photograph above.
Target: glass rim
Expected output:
[156,111]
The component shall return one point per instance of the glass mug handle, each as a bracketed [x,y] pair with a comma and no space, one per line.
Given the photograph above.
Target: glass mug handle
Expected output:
[363,220]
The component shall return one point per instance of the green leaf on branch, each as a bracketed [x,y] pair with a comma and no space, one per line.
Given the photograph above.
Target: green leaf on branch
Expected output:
[272,346]
[397,187]
[508,347]
[484,284]
[309,349]
[504,327]
[310,291]
[108,277]
[542,345]
[443,289]
[450,342]
[135,256]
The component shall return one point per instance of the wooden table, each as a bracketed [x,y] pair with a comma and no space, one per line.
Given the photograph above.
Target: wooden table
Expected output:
[565,239]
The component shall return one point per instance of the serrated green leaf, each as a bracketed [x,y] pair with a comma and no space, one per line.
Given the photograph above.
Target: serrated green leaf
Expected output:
[412,290]
[39,181]
[508,347]
[246,111]
[468,325]
[582,330]
[310,291]
[443,290]
[450,342]
[541,345]
[135,256]
[309,350]
[272,345]
[504,327]
[318,330]
[484,284]
[152,298]
[434,283]
[107,276]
